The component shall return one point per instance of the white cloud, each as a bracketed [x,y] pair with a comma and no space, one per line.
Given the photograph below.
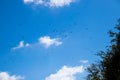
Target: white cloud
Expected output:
[21,45]
[60,3]
[51,3]
[84,61]
[47,41]
[6,76]
[28,1]
[33,1]
[66,73]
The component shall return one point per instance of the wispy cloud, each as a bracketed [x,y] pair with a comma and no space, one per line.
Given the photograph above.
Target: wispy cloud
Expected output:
[46,41]
[50,3]
[28,1]
[84,61]
[33,1]
[66,73]
[21,45]
[6,76]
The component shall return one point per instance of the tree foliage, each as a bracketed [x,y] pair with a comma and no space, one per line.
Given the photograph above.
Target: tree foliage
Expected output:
[108,68]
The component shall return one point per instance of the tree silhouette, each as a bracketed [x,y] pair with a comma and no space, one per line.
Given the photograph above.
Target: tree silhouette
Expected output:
[108,68]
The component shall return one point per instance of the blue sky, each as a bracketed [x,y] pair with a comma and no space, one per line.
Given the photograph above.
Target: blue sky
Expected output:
[53,39]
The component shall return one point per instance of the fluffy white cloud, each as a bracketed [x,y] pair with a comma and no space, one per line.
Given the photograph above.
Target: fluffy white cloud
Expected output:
[47,41]
[6,76]
[51,3]
[66,73]
[60,3]
[21,45]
